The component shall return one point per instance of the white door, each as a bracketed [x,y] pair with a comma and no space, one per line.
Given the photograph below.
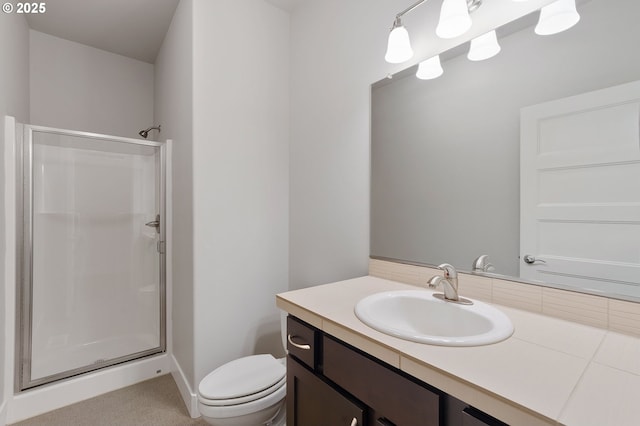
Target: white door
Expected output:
[580,191]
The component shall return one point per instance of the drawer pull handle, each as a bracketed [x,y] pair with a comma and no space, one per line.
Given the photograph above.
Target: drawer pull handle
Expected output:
[354,422]
[297,345]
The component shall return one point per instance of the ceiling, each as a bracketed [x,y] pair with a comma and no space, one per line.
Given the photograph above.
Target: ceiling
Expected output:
[133,28]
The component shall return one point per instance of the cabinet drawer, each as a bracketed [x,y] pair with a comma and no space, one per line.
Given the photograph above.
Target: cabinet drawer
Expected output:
[302,341]
[394,397]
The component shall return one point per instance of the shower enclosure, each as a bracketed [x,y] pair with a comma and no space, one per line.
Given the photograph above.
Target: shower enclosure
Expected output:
[91,284]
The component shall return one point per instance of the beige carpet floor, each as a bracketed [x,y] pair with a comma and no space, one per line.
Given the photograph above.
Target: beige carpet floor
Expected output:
[155,402]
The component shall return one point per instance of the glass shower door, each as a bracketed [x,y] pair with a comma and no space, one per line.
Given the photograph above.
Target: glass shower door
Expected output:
[93,266]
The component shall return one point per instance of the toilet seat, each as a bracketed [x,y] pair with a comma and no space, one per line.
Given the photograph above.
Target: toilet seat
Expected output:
[242,381]
[243,399]
[270,403]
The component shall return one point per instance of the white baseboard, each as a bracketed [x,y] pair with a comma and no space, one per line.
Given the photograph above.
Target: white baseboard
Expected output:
[47,398]
[189,397]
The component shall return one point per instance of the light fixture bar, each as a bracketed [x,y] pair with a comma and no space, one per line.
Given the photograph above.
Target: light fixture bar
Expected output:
[410,8]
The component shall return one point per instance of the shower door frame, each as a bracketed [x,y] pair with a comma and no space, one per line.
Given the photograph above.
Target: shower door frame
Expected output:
[24,258]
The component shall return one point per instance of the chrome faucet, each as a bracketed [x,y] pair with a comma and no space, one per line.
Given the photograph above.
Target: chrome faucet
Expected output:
[449,282]
[482,264]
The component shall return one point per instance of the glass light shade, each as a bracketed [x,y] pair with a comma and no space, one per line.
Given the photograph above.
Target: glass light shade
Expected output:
[484,47]
[454,19]
[429,69]
[398,46]
[557,17]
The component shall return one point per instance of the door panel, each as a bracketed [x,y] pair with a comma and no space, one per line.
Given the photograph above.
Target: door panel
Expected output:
[580,190]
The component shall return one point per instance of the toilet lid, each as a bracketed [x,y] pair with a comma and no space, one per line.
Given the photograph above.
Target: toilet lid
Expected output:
[242,377]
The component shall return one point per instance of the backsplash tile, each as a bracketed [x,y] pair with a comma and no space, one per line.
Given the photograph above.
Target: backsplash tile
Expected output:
[516,295]
[624,317]
[409,274]
[475,287]
[582,308]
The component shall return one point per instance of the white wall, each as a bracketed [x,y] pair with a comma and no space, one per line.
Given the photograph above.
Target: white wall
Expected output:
[174,109]
[14,101]
[241,176]
[337,52]
[78,87]
[225,102]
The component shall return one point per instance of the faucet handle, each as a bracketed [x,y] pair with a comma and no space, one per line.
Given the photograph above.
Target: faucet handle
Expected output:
[482,264]
[449,270]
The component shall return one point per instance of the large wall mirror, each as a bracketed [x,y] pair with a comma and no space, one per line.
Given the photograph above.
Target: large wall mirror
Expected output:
[446,156]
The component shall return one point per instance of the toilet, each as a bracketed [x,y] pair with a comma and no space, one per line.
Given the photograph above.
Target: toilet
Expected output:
[248,391]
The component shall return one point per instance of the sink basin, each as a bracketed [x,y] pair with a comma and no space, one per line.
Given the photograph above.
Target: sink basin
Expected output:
[418,316]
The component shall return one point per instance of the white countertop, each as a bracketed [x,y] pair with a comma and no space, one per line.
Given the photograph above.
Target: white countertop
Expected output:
[551,371]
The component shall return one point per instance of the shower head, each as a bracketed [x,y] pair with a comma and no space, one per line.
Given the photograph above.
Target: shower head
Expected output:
[144,133]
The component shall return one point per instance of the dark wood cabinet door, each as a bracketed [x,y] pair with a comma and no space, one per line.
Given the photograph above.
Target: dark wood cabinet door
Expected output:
[313,402]
[459,413]
[473,417]
[395,399]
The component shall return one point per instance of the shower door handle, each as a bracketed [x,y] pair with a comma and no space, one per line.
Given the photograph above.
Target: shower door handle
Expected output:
[155,223]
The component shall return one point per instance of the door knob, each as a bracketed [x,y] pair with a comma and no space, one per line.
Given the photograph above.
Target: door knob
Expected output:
[529,259]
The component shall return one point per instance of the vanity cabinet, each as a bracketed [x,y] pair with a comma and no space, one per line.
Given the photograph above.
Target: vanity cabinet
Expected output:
[331,383]
[311,399]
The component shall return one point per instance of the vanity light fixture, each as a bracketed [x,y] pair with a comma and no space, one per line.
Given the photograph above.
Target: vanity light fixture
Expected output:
[398,46]
[484,47]
[430,68]
[557,17]
[454,21]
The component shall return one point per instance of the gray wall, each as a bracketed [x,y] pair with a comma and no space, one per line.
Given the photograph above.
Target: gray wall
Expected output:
[445,152]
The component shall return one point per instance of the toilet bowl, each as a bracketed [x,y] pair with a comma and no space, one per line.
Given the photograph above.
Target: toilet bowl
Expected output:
[248,391]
